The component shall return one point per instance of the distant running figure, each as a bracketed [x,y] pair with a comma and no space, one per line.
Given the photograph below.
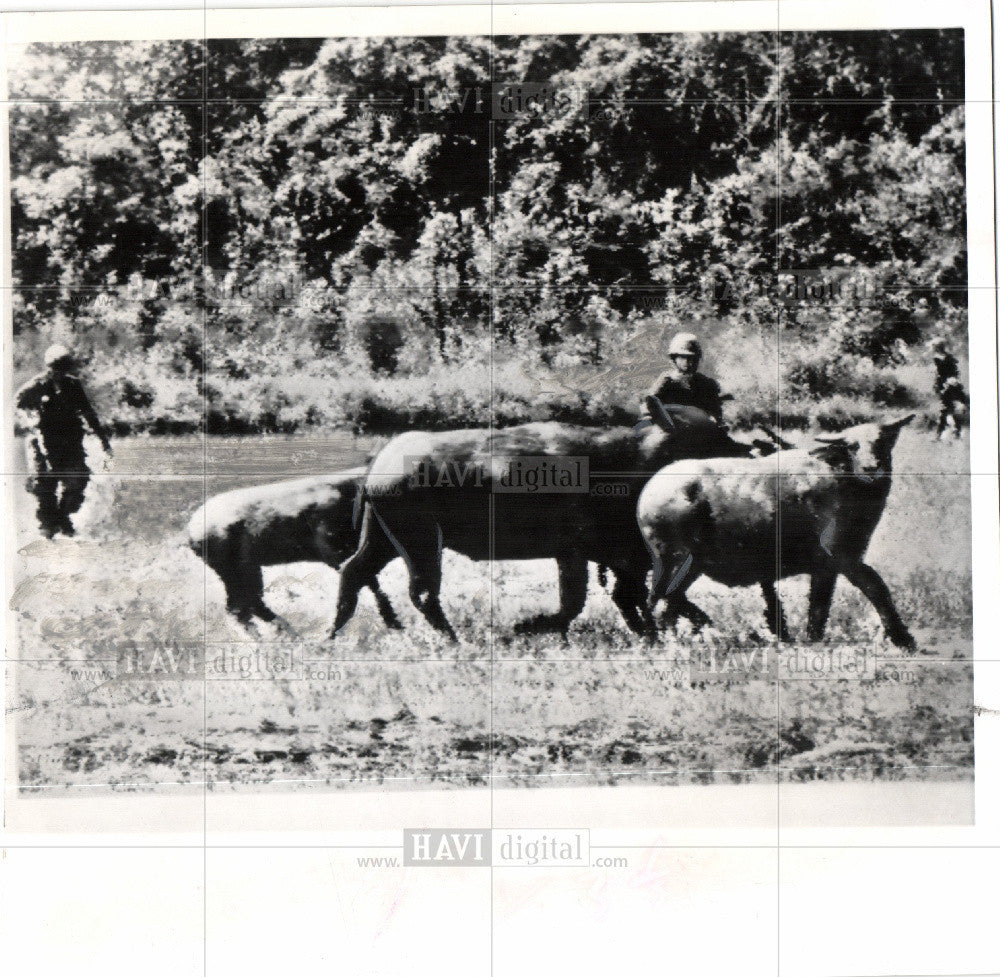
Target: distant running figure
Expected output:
[56,406]
[682,384]
[949,389]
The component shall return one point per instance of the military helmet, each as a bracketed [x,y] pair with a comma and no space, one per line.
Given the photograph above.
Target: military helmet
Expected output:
[684,344]
[57,353]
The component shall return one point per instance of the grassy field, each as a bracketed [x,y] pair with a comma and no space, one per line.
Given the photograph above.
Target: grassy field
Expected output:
[411,709]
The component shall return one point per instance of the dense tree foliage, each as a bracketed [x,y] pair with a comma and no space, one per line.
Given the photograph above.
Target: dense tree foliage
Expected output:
[254,221]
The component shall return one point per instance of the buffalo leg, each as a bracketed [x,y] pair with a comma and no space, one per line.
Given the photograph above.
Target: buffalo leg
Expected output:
[670,582]
[245,592]
[679,606]
[425,592]
[373,553]
[774,614]
[423,562]
[629,595]
[242,577]
[245,599]
[821,587]
[873,587]
[671,577]
[385,607]
[572,597]
[572,589]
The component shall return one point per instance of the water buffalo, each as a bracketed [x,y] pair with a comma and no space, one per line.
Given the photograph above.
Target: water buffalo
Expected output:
[308,519]
[456,490]
[759,520]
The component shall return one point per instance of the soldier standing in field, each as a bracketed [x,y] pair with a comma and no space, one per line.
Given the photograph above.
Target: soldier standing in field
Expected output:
[57,405]
[948,387]
[682,384]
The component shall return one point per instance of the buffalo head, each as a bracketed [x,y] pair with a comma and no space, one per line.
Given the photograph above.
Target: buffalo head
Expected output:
[865,450]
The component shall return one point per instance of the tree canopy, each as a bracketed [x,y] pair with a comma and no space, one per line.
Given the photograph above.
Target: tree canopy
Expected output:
[376,177]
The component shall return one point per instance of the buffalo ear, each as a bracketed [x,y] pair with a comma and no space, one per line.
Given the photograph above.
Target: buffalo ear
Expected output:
[659,415]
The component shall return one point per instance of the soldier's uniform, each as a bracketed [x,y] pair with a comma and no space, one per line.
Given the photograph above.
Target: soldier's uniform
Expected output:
[687,388]
[948,387]
[59,402]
